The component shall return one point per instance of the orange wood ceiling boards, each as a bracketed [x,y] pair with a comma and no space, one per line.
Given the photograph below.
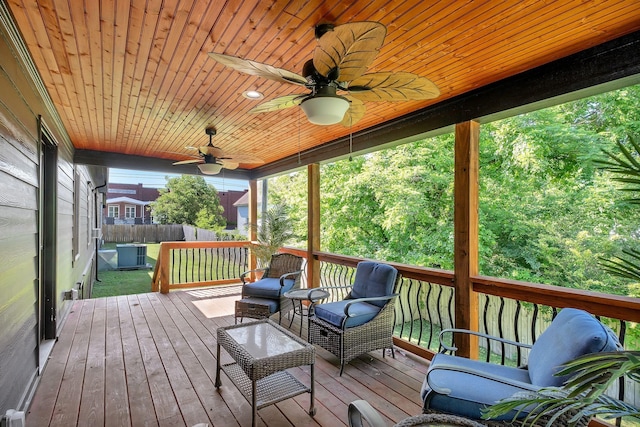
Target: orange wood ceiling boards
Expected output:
[134,77]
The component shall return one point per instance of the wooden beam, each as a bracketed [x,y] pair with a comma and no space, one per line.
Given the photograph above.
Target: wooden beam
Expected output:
[253,220]
[144,163]
[165,257]
[602,68]
[465,226]
[313,224]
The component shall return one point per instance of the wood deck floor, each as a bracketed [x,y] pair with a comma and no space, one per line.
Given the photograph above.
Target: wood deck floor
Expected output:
[149,360]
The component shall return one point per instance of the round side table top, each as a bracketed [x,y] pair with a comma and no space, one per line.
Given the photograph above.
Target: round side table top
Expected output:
[312,295]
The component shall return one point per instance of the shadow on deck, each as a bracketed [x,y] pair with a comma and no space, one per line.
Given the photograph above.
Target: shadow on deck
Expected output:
[149,359]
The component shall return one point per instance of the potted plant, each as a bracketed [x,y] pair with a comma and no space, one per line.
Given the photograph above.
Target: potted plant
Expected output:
[583,395]
[274,231]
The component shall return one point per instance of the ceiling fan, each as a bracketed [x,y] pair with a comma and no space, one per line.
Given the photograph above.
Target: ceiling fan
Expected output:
[335,76]
[212,160]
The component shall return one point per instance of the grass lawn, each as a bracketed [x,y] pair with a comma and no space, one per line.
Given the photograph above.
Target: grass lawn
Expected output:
[189,266]
[126,282]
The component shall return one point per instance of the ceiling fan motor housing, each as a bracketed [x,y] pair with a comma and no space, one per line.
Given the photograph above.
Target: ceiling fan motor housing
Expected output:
[325,107]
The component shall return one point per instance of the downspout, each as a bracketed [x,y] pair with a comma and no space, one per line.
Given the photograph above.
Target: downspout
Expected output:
[96,225]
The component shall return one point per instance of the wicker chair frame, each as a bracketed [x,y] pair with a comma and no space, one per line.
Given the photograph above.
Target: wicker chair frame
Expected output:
[349,343]
[291,268]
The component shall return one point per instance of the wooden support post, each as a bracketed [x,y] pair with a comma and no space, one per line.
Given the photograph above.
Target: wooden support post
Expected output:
[313,224]
[467,136]
[165,258]
[253,221]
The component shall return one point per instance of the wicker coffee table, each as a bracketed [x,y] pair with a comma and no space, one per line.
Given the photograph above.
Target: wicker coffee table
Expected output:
[262,351]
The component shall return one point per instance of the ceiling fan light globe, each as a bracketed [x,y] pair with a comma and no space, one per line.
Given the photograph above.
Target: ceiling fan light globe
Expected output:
[210,168]
[325,110]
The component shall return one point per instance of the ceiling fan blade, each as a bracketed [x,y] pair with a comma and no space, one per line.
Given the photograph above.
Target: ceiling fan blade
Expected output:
[279,103]
[244,159]
[186,162]
[349,47]
[210,150]
[258,69]
[228,164]
[388,86]
[354,113]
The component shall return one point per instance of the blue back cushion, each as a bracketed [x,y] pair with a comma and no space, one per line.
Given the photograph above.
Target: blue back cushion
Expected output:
[374,280]
[572,333]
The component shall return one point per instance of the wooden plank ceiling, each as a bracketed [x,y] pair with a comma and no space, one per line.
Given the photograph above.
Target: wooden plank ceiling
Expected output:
[134,77]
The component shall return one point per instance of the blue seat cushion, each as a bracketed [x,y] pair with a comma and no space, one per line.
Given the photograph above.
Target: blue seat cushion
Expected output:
[469,393]
[333,312]
[572,333]
[374,280]
[267,288]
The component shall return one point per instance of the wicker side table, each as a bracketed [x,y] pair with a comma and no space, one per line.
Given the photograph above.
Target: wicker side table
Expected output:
[300,296]
[262,351]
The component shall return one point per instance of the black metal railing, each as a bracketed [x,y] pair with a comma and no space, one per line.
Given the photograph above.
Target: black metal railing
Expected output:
[197,264]
[190,265]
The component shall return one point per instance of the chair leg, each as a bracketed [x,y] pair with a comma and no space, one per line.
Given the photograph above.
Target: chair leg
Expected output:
[341,353]
[384,352]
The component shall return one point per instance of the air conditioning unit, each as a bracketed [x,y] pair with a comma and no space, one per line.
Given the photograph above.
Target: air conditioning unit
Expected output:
[132,256]
[96,233]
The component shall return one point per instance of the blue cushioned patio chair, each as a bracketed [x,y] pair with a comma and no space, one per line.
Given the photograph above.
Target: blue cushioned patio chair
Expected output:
[464,387]
[361,322]
[283,274]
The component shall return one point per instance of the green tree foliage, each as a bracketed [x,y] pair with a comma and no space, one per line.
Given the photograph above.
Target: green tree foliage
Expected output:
[189,200]
[547,213]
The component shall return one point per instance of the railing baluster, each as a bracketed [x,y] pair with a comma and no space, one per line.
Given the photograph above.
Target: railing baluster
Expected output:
[534,322]
[173,264]
[438,311]
[500,331]
[485,318]
[517,335]
[430,319]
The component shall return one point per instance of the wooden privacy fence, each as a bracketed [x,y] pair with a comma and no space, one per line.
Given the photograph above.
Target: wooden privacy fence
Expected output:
[141,233]
[200,234]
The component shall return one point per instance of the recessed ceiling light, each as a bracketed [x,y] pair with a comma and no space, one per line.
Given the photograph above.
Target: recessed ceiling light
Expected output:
[252,94]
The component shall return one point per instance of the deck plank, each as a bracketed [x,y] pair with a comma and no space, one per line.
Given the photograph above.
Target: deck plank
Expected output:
[141,405]
[160,324]
[93,393]
[151,358]
[166,405]
[43,403]
[68,401]
[116,402]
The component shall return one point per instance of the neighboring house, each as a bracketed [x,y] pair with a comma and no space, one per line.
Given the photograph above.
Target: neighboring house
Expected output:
[50,213]
[228,200]
[128,204]
[242,206]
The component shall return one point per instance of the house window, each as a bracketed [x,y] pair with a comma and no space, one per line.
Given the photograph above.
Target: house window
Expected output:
[129,211]
[114,211]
